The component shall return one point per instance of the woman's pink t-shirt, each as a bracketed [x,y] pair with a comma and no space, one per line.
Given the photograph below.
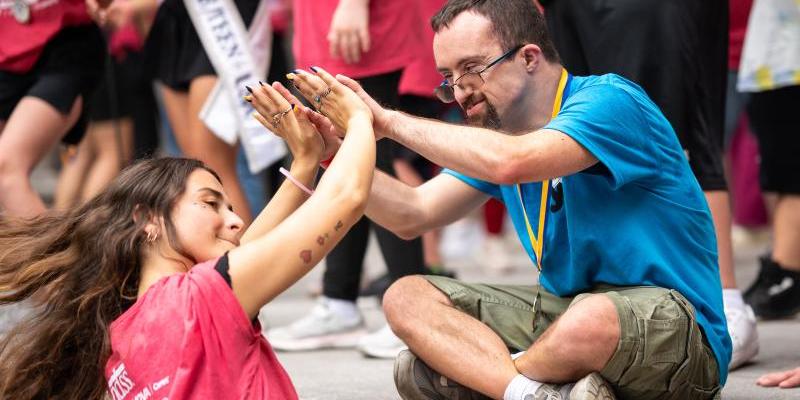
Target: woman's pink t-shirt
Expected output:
[392,30]
[188,337]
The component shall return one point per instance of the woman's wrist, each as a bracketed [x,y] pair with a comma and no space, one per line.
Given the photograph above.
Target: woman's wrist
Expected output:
[305,164]
[359,117]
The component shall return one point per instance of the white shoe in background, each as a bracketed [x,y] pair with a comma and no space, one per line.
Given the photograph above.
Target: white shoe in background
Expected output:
[744,335]
[323,328]
[382,343]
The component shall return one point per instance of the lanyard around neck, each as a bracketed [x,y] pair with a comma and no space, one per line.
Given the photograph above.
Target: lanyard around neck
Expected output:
[537,241]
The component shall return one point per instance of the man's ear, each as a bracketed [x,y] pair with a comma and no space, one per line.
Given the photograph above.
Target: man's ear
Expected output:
[532,55]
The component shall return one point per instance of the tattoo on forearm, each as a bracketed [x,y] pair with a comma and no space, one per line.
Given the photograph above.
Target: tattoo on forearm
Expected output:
[305,255]
[338,226]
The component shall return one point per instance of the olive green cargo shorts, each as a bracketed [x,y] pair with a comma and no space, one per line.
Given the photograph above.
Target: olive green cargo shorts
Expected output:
[661,353]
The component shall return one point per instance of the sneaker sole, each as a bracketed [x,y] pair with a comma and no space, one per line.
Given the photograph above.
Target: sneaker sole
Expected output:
[380,353]
[592,387]
[334,341]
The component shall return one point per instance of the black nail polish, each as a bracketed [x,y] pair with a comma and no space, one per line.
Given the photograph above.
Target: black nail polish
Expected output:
[297,71]
[261,83]
[249,89]
[314,69]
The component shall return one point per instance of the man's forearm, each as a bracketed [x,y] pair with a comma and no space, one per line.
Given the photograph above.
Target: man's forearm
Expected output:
[477,152]
[395,206]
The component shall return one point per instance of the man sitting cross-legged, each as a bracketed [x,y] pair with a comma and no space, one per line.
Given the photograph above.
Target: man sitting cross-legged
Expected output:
[602,197]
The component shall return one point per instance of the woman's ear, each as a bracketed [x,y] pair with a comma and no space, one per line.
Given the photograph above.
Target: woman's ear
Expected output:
[153,227]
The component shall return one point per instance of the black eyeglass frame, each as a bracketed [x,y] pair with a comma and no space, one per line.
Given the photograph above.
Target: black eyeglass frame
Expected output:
[446,92]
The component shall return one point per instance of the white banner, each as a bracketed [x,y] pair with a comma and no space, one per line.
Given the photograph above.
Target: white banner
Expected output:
[240,58]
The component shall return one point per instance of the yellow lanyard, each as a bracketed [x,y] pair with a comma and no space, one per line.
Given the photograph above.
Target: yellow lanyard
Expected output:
[537,242]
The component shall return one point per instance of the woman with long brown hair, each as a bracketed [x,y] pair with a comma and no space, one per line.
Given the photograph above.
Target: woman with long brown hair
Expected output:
[152,289]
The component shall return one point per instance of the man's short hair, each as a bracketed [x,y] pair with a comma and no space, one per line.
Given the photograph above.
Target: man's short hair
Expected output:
[514,22]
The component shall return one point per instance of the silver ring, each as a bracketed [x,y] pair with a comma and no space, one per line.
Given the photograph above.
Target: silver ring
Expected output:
[276,118]
[318,98]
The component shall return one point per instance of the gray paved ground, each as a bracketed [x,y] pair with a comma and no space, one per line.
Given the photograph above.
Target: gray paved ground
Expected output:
[346,375]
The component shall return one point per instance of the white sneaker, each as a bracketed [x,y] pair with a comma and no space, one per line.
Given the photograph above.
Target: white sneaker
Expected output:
[591,387]
[495,256]
[382,343]
[742,328]
[321,329]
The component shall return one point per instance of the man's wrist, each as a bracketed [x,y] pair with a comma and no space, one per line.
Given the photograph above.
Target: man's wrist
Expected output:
[390,120]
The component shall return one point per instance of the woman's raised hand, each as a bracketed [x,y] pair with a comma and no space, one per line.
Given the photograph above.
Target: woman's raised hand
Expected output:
[279,111]
[330,97]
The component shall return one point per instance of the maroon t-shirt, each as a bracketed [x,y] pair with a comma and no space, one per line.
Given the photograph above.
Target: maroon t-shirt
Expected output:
[188,337]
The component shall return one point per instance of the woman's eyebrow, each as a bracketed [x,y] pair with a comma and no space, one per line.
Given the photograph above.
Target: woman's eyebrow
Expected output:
[215,193]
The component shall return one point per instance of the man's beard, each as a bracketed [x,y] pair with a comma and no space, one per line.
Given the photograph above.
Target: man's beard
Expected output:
[489,120]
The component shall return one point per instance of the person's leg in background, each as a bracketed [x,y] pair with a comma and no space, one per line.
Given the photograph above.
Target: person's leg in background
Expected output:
[336,321]
[690,93]
[33,128]
[112,142]
[75,162]
[774,119]
[49,107]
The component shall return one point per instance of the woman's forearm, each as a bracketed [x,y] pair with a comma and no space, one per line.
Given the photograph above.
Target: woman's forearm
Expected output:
[285,201]
[351,170]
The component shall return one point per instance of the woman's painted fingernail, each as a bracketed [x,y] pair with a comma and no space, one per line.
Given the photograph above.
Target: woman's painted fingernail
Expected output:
[315,69]
[290,76]
[297,71]
[261,83]
[249,89]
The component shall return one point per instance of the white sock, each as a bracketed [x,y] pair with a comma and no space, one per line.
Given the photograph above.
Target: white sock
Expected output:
[343,308]
[732,298]
[519,387]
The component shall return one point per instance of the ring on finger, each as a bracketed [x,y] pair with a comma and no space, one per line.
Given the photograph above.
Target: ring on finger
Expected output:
[318,98]
[276,118]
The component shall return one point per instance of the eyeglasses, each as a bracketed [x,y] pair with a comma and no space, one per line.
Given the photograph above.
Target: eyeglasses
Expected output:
[446,92]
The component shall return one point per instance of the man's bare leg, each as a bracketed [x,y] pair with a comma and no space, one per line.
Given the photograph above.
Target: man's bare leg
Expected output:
[469,352]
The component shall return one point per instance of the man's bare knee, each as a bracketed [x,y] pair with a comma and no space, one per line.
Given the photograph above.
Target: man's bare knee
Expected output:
[588,332]
[408,298]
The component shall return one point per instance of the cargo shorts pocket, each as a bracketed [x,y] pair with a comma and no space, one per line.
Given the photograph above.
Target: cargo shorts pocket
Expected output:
[660,344]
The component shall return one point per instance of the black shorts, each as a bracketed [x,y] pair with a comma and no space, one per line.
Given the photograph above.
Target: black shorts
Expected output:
[174,53]
[676,50]
[70,66]
[119,90]
[775,120]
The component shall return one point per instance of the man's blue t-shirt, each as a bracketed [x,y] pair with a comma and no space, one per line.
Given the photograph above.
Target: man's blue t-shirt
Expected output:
[638,217]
